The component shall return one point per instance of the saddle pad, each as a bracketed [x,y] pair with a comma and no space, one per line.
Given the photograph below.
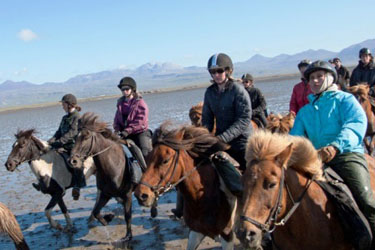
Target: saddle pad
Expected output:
[354,223]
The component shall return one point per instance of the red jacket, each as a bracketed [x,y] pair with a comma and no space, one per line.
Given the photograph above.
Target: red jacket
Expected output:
[299,96]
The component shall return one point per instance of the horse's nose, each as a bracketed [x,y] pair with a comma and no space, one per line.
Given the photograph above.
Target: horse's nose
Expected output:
[73,160]
[144,197]
[247,237]
[9,165]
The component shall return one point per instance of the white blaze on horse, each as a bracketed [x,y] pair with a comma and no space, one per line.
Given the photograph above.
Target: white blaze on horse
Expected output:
[49,168]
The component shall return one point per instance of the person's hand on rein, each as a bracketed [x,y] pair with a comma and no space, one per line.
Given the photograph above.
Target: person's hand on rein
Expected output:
[327,153]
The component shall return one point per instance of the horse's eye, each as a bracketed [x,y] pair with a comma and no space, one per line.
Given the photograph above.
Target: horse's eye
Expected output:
[268,184]
[271,185]
[165,161]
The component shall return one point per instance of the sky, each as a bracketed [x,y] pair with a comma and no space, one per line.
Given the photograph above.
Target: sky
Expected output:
[52,41]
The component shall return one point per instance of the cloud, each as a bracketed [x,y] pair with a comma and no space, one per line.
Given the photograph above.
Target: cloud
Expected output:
[21,72]
[27,35]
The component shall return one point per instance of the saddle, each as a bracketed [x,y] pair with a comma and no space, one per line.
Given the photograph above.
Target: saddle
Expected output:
[355,225]
[135,169]
[78,178]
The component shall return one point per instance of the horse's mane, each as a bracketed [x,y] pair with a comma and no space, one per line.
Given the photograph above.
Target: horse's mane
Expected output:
[360,90]
[90,121]
[25,133]
[196,110]
[264,145]
[197,141]
[279,123]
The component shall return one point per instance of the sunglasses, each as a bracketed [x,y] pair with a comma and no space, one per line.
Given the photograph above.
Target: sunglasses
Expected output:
[246,81]
[214,71]
[125,88]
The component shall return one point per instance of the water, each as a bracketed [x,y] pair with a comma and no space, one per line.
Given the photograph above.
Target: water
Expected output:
[15,188]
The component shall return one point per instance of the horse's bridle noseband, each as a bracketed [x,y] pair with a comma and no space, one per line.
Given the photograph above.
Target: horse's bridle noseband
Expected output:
[271,223]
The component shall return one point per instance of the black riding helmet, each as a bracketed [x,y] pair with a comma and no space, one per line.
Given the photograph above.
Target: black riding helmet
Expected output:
[364,51]
[220,61]
[127,81]
[69,99]
[320,65]
[304,63]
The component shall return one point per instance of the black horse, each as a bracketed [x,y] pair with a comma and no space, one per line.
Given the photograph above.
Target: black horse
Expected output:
[113,178]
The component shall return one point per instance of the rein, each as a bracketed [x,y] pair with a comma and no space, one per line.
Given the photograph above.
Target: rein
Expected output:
[271,223]
[89,152]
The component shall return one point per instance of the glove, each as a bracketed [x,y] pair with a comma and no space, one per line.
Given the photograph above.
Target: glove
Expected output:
[124,134]
[52,140]
[327,153]
[56,144]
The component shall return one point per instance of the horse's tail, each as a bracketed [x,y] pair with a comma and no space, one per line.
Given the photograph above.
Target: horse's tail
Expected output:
[10,226]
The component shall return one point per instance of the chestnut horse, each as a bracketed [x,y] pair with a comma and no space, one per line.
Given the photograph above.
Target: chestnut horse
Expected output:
[281,169]
[113,178]
[9,225]
[49,168]
[195,115]
[361,93]
[280,124]
[180,157]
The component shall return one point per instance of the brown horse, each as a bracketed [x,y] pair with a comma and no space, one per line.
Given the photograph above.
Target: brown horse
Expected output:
[280,124]
[361,93]
[9,225]
[113,174]
[280,170]
[180,157]
[195,115]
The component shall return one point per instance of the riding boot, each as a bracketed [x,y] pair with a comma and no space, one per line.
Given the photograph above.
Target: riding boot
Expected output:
[78,182]
[179,210]
[228,173]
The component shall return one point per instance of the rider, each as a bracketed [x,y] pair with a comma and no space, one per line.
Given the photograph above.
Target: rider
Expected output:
[365,70]
[343,74]
[228,102]
[258,103]
[335,123]
[300,91]
[131,118]
[64,139]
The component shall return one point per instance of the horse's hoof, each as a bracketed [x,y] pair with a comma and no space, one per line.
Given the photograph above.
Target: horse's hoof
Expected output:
[90,219]
[108,217]
[154,212]
[127,238]
[58,227]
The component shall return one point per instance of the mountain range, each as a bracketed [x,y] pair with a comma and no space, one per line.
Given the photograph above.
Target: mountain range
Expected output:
[152,76]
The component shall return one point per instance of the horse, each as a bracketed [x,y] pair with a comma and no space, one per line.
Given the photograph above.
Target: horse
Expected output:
[280,124]
[195,115]
[281,169]
[113,177]
[49,168]
[361,93]
[180,158]
[9,225]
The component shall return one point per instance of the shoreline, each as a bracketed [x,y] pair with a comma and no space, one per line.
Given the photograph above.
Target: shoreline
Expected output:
[146,92]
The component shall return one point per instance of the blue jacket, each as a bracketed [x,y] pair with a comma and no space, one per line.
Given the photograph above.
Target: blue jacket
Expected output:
[336,119]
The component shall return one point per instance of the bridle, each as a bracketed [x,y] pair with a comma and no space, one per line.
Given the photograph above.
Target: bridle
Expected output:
[89,152]
[271,223]
[160,189]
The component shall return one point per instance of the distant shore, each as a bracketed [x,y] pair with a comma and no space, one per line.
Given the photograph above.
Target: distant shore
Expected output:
[164,90]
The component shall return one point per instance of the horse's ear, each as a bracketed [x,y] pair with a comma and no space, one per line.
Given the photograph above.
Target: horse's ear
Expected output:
[282,158]
[180,134]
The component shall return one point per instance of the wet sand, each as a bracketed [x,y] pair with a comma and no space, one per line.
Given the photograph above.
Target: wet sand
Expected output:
[162,232]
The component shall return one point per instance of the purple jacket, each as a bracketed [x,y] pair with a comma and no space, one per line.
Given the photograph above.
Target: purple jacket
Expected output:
[135,111]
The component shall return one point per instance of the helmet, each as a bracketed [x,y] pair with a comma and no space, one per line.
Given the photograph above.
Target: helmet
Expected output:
[364,51]
[69,99]
[248,77]
[127,81]
[220,60]
[304,63]
[320,65]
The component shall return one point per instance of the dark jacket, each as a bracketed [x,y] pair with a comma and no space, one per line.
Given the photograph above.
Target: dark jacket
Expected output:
[232,110]
[363,73]
[258,103]
[67,131]
[136,121]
